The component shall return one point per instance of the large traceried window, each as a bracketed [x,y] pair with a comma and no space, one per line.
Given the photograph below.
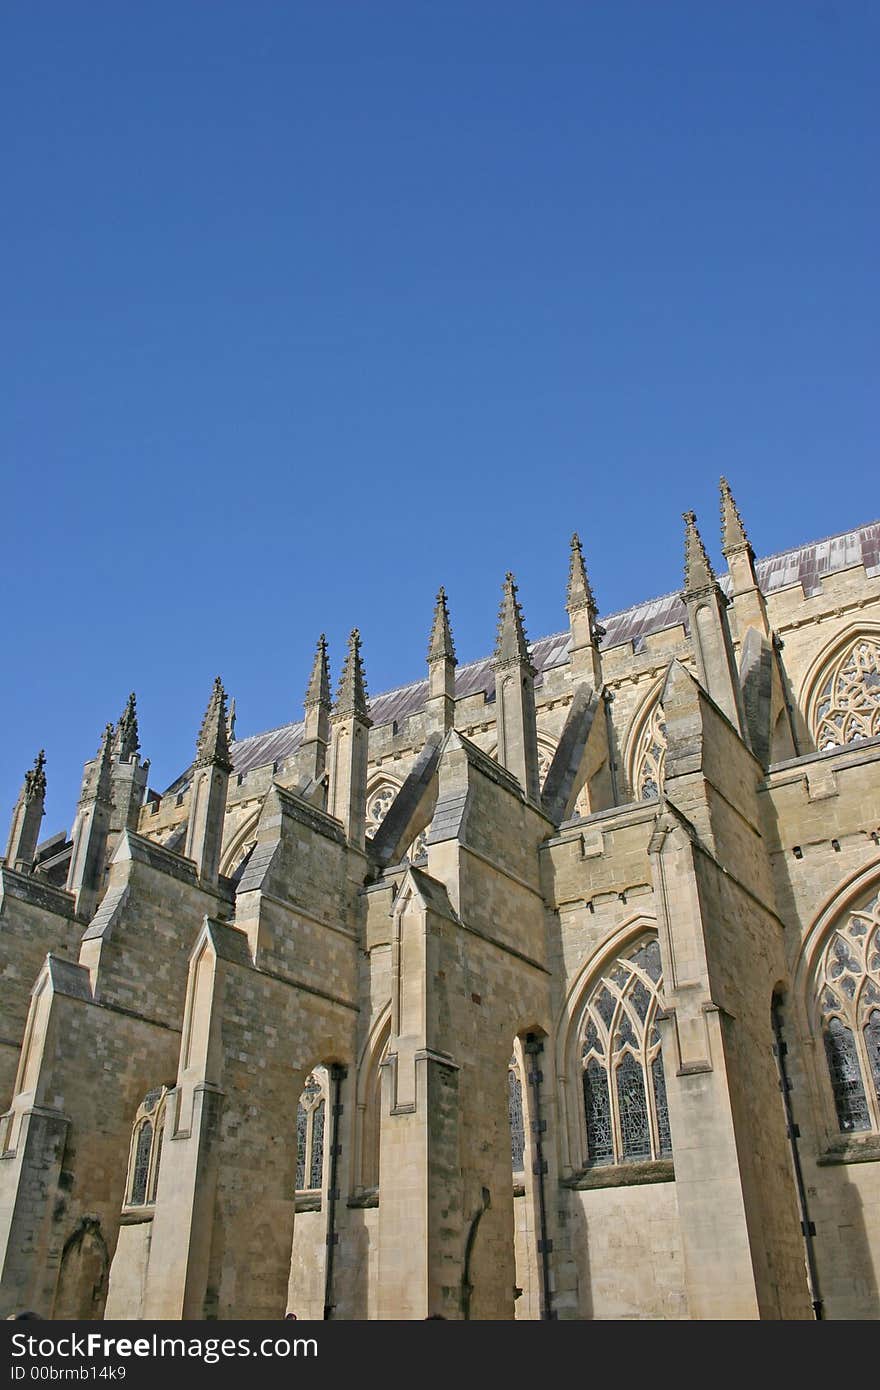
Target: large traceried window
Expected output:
[848,1008]
[310,1114]
[846,707]
[625,1112]
[145,1153]
[650,755]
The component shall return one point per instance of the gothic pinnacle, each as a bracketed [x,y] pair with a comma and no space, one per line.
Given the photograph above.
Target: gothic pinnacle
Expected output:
[35,778]
[580,593]
[698,572]
[351,697]
[125,739]
[511,643]
[318,690]
[101,784]
[441,646]
[733,533]
[212,746]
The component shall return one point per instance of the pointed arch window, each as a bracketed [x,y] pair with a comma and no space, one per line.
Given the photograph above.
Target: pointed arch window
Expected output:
[847,1003]
[650,755]
[846,705]
[148,1132]
[310,1113]
[626,1119]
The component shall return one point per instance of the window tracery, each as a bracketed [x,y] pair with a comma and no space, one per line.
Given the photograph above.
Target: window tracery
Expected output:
[378,805]
[626,1116]
[650,755]
[378,802]
[847,705]
[310,1112]
[848,1009]
[148,1132]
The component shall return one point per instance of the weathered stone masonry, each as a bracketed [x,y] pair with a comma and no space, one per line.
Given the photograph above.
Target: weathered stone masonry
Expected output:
[474,998]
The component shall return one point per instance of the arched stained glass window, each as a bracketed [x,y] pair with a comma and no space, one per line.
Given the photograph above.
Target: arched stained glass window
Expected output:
[145,1153]
[310,1133]
[650,755]
[846,706]
[625,1111]
[515,1114]
[848,1016]
[141,1164]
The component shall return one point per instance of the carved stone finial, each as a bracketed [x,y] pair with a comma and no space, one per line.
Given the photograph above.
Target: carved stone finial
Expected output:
[212,747]
[318,689]
[230,722]
[511,643]
[698,572]
[351,697]
[125,739]
[441,646]
[733,533]
[35,778]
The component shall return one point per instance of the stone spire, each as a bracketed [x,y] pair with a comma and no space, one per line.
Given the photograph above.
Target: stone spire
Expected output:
[212,747]
[441,646]
[709,627]
[312,755]
[318,689]
[516,723]
[749,608]
[207,798]
[85,878]
[586,633]
[129,775]
[230,722]
[27,816]
[440,705]
[351,697]
[698,572]
[733,533]
[580,594]
[125,738]
[510,643]
[350,721]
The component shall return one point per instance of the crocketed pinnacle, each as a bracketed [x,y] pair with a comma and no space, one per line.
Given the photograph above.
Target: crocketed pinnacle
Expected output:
[230,722]
[511,643]
[100,788]
[351,697]
[318,690]
[698,572]
[733,533]
[125,739]
[441,646]
[212,747]
[35,778]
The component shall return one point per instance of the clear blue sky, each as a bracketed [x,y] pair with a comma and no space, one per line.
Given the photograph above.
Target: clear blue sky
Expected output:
[308,308]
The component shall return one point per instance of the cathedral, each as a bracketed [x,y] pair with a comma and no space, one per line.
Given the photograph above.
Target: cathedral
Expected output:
[544,987]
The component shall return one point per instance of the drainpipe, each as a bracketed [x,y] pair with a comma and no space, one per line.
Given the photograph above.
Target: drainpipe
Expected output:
[533,1049]
[337,1074]
[807,1228]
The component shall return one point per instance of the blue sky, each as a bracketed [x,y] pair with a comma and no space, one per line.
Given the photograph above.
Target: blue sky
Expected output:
[310,308]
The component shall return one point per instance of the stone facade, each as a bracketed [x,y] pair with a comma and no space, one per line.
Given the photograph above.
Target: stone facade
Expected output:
[545,987]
